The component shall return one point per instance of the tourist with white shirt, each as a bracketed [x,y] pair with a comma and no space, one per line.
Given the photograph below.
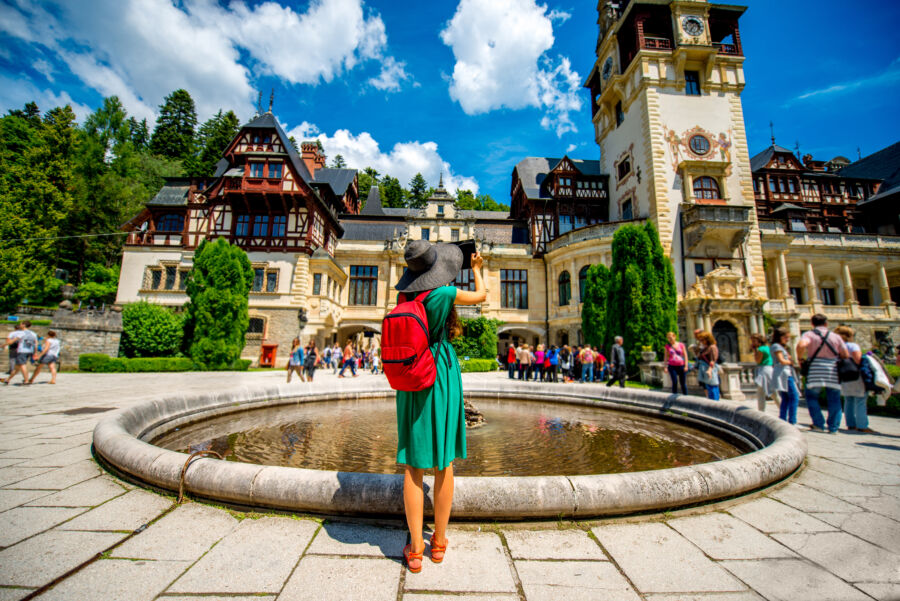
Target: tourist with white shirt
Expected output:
[49,356]
[27,343]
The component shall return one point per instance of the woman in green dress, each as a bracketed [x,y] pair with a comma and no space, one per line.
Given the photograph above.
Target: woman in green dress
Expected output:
[431,424]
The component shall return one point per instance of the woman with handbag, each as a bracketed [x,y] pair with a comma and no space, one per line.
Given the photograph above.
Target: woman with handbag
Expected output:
[783,375]
[854,391]
[708,364]
[823,349]
[431,423]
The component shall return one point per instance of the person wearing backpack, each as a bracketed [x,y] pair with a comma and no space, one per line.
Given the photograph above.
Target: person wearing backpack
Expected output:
[431,425]
[27,343]
[587,364]
[854,391]
[823,349]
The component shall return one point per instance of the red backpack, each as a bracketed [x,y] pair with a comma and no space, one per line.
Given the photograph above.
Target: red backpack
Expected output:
[405,353]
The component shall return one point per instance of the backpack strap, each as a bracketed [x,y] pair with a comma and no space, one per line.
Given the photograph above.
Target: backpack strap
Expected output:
[824,343]
[404,297]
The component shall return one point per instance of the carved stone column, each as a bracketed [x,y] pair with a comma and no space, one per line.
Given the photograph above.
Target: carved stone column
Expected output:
[809,280]
[784,284]
[883,285]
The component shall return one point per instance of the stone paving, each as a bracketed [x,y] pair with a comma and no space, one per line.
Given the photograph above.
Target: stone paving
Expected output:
[832,532]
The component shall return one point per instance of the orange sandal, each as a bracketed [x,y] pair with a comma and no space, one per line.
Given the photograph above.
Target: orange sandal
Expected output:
[409,555]
[436,548]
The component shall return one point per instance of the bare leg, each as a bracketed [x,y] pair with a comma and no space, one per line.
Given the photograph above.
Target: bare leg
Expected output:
[414,503]
[53,373]
[443,500]
[37,370]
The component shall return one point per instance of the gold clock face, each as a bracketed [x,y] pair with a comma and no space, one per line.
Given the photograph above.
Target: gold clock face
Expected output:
[692,26]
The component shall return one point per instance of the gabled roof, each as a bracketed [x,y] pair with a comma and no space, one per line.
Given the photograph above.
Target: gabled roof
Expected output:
[533,171]
[267,121]
[338,179]
[762,159]
[787,206]
[373,203]
[372,231]
[174,193]
[883,164]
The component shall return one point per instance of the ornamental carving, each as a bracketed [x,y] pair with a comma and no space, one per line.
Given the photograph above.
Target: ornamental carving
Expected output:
[707,146]
[723,283]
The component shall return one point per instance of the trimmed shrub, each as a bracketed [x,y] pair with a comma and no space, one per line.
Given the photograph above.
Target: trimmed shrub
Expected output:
[217,316]
[479,338]
[150,330]
[34,322]
[92,361]
[104,364]
[477,365]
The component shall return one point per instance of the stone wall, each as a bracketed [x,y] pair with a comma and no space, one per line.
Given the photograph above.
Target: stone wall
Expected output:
[82,332]
[281,328]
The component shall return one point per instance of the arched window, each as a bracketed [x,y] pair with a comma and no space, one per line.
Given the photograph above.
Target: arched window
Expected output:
[565,288]
[706,188]
[170,222]
[582,282]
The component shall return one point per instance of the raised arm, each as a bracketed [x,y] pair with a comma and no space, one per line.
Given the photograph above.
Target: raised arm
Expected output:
[473,297]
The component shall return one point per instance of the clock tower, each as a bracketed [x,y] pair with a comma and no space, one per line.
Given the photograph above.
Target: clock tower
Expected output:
[666,107]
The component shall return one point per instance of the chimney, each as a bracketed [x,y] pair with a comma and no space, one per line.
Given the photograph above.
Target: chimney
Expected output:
[309,152]
[320,159]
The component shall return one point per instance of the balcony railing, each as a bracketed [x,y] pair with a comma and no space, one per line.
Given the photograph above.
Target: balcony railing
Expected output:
[727,49]
[692,214]
[652,43]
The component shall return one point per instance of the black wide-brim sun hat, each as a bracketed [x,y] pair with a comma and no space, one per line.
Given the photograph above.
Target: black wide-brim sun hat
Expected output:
[429,266]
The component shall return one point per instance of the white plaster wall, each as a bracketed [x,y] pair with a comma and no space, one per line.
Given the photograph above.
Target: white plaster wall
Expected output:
[134,263]
[628,135]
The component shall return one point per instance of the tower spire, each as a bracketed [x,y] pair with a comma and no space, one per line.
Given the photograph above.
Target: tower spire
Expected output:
[772,131]
[441,181]
[271,99]
[259,103]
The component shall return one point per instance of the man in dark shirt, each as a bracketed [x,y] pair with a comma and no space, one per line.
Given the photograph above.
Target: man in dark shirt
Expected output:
[617,361]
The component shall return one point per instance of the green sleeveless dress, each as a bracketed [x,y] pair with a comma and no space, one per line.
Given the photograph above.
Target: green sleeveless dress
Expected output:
[431,423]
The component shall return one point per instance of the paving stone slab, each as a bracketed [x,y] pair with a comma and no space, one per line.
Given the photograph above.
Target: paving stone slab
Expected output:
[847,472]
[793,580]
[60,478]
[10,498]
[833,519]
[77,453]
[836,487]
[184,534]
[14,594]
[463,597]
[722,536]
[9,462]
[845,555]
[117,580]
[257,557]
[742,596]
[11,475]
[883,591]
[642,549]
[808,499]
[85,494]
[127,512]
[33,451]
[343,538]
[43,558]
[552,544]
[573,581]
[874,528]
[335,579]
[20,523]
[475,562]
[771,516]
[229,598]
[886,505]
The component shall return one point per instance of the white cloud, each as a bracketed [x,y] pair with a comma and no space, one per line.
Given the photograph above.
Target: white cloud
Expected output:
[889,76]
[403,161]
[571,147]
[560,16]
[142,50]
[44,68]
[392,73]
[500,48]
[16,93]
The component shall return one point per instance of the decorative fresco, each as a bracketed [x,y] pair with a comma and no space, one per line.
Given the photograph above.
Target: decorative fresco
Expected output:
[698,144]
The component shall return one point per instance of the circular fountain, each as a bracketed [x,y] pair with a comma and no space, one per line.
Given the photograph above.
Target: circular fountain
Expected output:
[545,450]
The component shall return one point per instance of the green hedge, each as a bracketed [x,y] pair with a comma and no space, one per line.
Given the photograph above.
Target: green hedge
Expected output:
[105,364]
[473,365]
[34,322]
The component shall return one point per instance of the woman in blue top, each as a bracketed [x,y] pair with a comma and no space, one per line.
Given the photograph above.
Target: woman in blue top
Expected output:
[554,363]
[295,361]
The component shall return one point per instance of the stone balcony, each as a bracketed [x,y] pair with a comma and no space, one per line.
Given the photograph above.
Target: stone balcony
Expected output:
[728,222]
[831,240]
[783,307]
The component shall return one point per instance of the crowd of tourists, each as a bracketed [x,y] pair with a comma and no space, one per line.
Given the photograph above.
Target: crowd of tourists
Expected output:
[579,363]
[27,348]
[304,360]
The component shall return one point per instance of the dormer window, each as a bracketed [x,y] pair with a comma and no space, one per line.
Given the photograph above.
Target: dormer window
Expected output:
[440,210]
[171,222]
[256,169]
[267,139]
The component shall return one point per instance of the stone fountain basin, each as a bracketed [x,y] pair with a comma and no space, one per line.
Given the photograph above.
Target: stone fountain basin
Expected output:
[776,449]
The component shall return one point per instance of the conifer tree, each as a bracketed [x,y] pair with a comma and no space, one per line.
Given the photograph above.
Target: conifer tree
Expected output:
[217,315]
[173,136]
[418,192]
[391,193]
[593,311]
[212,138]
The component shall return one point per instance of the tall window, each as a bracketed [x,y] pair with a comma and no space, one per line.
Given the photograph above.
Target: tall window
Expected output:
[454,235]
[440,210]
[271,281]
[256,169]
[260,226]
[565,288]
[279,226]
[275,170]
[317,283]
[363,285]
[797,293]
[259,276]
[514,288]
[627,210]
[465,281]
[624,168]
[620,114]
[170,222]
[706,188]
[582,282]
[171,272]
[242,225]
[426,233]
[155,278]
[692,83]
[828,296]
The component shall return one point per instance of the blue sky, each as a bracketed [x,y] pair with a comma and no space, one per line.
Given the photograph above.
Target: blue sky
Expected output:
[465,87]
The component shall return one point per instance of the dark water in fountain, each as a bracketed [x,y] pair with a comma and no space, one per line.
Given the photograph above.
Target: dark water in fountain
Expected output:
[519,439]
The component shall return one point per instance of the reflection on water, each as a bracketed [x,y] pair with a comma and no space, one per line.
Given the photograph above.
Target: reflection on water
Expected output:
[519,439]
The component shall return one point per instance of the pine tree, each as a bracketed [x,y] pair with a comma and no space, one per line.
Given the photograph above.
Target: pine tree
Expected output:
[339,162]
[418,190]
[173,136]
[213,138]
[391,193]
[594,306]
[217,315]
[140,135]
[366,179]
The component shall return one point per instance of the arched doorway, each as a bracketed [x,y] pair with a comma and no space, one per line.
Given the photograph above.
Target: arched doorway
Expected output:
[726,336]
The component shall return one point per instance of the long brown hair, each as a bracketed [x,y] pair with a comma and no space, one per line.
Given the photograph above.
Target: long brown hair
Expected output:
[454,328]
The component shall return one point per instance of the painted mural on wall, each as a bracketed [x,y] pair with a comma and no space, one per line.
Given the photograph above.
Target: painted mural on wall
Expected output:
[698,144]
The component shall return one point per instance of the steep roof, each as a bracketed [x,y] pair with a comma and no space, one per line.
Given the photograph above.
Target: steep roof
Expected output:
[268,120]
[338,179]
[883,165]
[174,193]
[372,231]
[762,159]
[373,203]
[533,171]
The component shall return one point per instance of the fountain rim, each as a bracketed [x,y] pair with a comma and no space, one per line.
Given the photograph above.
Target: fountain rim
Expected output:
[119,441]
